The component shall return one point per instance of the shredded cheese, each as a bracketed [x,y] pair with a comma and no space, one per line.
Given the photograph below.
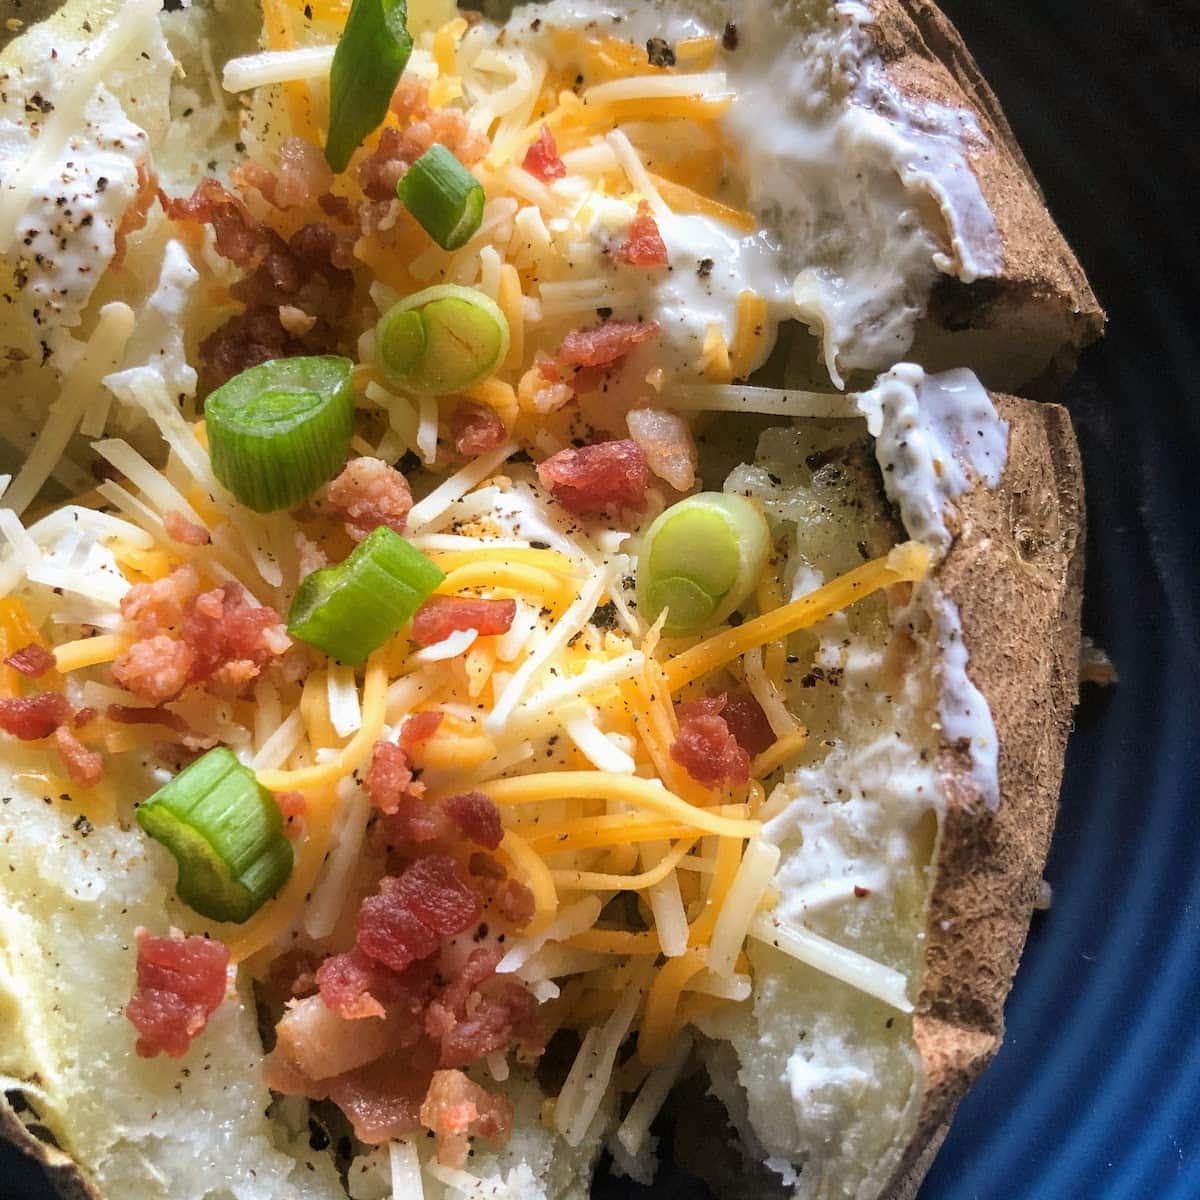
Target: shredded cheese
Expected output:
[712,85]
[633,1130]
[838,962]
[774,402]
[741,903]
[405,1166]
[906,563]
[277,66]
[425,513]
[538,878]
[662,1005]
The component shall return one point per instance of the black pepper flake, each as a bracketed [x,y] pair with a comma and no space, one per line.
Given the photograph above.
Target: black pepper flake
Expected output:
[660,52]
[605,616]
[729,39]
[604,313]
[705,268]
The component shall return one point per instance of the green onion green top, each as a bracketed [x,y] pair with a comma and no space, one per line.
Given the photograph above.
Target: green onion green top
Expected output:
[441,340]
[280,430]
[446,199]
[700,559]
[367,64]
[225,832]
[352,608]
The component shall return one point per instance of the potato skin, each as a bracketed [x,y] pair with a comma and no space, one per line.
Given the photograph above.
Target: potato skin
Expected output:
[1015,571]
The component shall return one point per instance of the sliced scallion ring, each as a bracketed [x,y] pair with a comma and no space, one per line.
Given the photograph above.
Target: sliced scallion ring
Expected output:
[225,832]
[446,199]
[441,340]
[280,430]
[352,608]
[700,559]
[370,58]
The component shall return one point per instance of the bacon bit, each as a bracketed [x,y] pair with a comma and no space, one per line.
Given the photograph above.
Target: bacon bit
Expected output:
[355,986]
[155,668]
[747,721]
[83,765]
[136,215]
[180,983]
[440,616]
[419,728]
[83,716]
[486,872]
[398,149]
[608,477]
[380,171]
[705,747]
[32,660]
[31,718]
[369,493]
[516,903]
[337,208]
[156,606]
[302,177]
[291,804]
[478,818]
[123,714]
[231,640]
[389,781]
[605,344]
[412,912]
[542,160]
[180,529]
[644,247]
[666,440]
[312,557]
[476,429]
[455,1109]
[383,1100]
[416,824]
[292,974]
[239,237]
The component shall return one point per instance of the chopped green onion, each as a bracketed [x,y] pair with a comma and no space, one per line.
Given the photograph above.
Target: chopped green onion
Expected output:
[700,559]
[350,609]
[279,430]
[444,196]
[370,58]
[441,340]
[226,833]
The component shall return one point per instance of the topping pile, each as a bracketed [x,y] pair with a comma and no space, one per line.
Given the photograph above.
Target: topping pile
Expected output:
[470,749]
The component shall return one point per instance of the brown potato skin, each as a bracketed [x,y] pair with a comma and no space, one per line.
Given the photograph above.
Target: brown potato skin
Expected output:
[1015,571]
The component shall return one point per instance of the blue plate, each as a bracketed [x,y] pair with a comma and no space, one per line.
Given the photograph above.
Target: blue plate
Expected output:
[1096,1092]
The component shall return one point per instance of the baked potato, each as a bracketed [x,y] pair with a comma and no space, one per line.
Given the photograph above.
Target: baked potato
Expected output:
[816,211]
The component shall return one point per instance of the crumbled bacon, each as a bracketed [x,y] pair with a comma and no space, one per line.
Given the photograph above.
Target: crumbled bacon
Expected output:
[476,429]
[747,721]
[419,728]
[369,493]
[478,818]
[231,639]
[516,903]
[705,747]
[32,661]
[83,765]
[336,207]
[83,716]
[389,780]
[644,246]
[355,986]
[542,160]
[124,714]
[381,170]
[383,1100]
[412,912]
[136,215]
[33,717]
[440,616]
[302,177]
[608,477]
[605,344]
[310,271]
[666,440]
[455,1109]
[310,555]
[292,807]
[398,149]
[180,983]
[155,668]
[180,529]
[416,824]
[156,606]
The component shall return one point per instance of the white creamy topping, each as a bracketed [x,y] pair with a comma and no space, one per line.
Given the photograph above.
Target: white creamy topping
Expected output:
[936,437]
[79,109]
[846,168]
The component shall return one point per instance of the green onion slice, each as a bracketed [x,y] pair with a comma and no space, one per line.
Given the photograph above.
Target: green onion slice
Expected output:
[370,58]
[700,559]
[441,340]
[446,199]
[280,430]
[225,832]
[350,609]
